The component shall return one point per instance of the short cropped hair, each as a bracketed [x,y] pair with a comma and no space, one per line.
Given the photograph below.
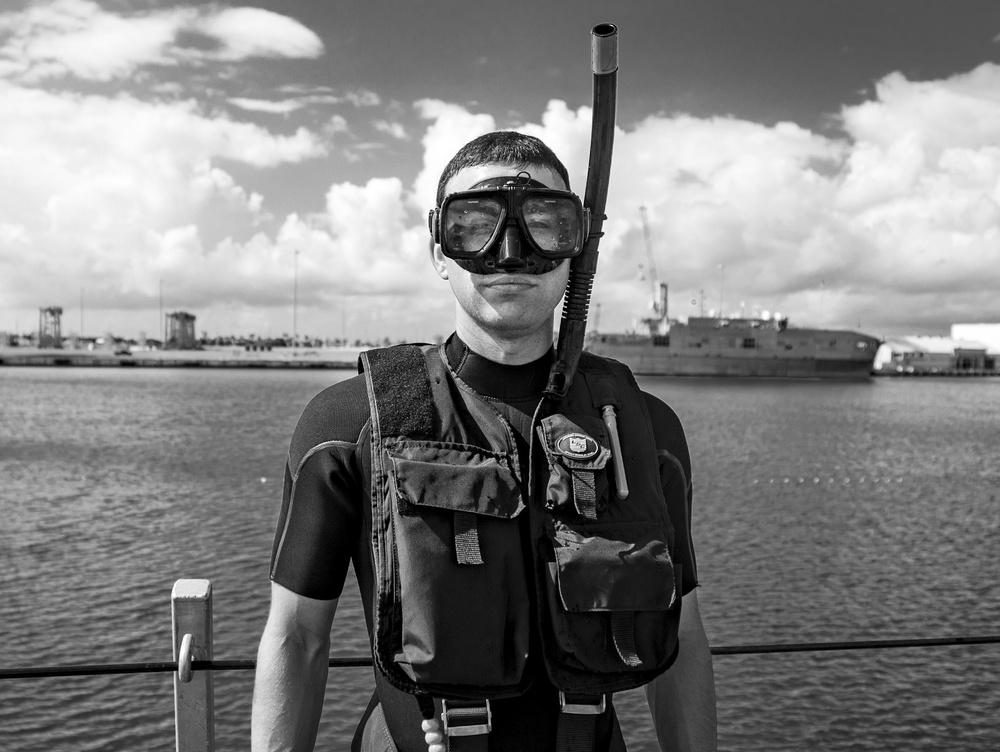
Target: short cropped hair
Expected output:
[506,148]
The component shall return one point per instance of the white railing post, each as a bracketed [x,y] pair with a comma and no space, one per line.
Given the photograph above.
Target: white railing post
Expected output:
[194,696]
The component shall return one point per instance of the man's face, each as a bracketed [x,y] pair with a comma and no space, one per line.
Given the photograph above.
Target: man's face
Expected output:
[503,304]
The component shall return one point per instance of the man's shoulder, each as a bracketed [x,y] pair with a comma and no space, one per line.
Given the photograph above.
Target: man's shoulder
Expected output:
[337,414]
[668,431]
[662,414]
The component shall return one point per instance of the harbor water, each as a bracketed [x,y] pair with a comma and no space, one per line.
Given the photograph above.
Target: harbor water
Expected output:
[823,512]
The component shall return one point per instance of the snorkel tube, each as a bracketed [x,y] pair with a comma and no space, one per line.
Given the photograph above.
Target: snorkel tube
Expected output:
[573,326]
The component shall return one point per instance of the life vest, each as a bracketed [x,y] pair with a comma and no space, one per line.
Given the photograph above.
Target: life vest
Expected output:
[452,609]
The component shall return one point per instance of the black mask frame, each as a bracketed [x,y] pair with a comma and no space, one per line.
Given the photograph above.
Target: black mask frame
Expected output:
[511,244]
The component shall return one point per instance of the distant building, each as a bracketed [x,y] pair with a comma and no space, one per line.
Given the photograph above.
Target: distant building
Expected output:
[50,327]
[180,331]
[927,355]
[988,334]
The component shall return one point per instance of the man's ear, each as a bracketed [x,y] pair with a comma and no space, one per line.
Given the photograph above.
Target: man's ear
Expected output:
[438,259]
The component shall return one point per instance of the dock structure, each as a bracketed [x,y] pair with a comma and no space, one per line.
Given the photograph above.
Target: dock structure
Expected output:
[180,331]
[206,357]
[921,355]
[50,327]
[194,692]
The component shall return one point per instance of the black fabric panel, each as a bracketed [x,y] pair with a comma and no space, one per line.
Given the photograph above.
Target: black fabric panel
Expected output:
[400,377]
[669,435]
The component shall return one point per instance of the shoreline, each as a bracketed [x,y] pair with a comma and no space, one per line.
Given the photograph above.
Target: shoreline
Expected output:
[211,357]
[334,358]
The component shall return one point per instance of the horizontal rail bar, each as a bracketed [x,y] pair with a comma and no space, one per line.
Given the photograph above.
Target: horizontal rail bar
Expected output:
[803,647]
[360,661]
[154,667]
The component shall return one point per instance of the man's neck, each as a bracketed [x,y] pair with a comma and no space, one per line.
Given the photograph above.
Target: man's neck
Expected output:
[513,348]
[507,383]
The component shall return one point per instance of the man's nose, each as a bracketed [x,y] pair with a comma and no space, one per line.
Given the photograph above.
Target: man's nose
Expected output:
[509,256]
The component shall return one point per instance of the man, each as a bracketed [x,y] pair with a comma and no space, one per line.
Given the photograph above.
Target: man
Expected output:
[507,274]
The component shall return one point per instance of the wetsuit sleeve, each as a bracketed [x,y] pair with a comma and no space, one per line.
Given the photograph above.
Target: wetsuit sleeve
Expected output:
[320,521]
[675,475]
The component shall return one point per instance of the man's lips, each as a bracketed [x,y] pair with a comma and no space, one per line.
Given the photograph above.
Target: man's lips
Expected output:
[506,280]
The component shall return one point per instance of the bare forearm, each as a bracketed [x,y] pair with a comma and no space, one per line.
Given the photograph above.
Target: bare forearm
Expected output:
[288,694]
[682,701]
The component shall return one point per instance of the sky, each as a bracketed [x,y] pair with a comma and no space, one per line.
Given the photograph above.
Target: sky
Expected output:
[268,167]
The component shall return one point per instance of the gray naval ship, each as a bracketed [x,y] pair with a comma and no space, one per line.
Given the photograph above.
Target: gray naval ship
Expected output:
[737,346]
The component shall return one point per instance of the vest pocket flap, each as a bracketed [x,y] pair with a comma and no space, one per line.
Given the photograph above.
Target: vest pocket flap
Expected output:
[613,567]
[579,445]
[455,478]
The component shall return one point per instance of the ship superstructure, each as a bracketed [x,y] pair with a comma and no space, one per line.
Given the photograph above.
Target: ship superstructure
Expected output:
[734,346]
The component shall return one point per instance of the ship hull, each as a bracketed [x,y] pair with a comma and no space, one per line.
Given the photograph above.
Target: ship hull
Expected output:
[731,350]
[737,367]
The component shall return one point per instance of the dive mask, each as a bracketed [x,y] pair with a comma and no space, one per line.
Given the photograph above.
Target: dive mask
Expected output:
[510,224]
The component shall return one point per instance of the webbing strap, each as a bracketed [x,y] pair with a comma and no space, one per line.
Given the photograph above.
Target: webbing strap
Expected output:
[467,725]
[623,634]
[585,493]
[359,733]
[576,733]
[467,538]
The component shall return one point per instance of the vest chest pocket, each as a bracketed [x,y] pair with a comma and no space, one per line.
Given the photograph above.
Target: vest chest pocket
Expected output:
[460,601]
[576,454]
[610,589]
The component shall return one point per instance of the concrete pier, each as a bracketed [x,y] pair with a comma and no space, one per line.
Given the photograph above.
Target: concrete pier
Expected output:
[215,357]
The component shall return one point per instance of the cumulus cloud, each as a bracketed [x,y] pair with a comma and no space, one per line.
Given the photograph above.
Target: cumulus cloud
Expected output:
[89,180]
[451,126]
[254,32]
[289,105]
[276,107]
[363,98]
[396,130]
[79,38]
[895,224]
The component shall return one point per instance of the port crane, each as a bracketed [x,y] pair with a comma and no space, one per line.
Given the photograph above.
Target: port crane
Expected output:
[658,302]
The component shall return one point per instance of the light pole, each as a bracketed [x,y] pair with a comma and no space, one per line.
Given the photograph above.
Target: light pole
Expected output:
[822,292]
[722,297]
[295,302]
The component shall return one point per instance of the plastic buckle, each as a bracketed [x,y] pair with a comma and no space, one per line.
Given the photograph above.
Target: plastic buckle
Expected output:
[475,717]
[581,708]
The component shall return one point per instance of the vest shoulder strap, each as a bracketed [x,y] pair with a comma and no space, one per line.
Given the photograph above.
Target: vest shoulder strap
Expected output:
[606,378]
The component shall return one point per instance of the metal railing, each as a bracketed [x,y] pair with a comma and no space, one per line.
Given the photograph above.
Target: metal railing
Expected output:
[193,664]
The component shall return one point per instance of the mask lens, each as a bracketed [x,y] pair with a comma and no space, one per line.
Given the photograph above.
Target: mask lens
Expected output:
[553,223]
[470,224]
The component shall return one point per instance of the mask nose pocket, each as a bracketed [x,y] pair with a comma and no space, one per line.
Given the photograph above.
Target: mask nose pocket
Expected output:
[462,608]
